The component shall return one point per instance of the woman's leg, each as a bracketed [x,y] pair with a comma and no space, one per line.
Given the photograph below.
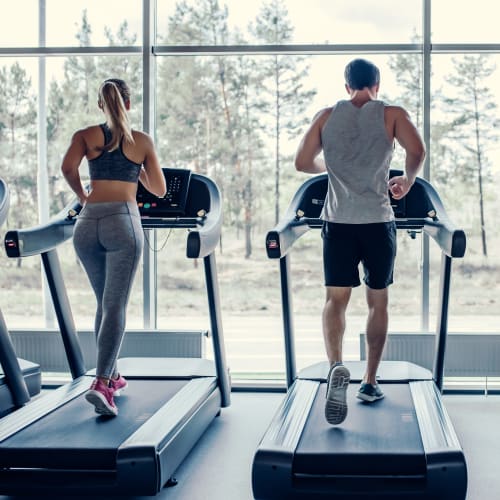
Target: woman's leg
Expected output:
[121,235]
[92,256]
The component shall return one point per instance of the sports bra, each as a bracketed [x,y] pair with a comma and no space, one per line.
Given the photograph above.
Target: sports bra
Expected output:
[113,165]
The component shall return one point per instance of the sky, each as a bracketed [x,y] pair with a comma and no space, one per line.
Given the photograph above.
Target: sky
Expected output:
[314,21]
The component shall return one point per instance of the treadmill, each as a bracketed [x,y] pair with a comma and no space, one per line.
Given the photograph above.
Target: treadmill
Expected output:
[57,445]
[403,446]
[20,379]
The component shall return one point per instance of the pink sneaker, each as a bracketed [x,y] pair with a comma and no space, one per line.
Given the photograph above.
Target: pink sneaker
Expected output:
[118,384]
[101,396]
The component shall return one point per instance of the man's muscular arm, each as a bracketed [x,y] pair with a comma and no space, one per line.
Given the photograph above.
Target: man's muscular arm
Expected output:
[306,158]
[408,137]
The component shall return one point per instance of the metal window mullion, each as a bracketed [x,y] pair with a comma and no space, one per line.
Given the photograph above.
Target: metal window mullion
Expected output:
[149,276]
[426,97]
[293,49]
[64,51]
[42,182]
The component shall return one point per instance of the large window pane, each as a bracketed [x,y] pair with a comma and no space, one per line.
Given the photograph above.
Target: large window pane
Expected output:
[464,22]
[19,24]
[218,116]
[71,103]
[291,21]
[83,23]
[465,167]
[20,281]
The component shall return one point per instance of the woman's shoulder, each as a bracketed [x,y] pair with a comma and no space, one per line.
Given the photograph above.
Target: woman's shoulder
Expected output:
[89,131]
[141,138]
[139,134]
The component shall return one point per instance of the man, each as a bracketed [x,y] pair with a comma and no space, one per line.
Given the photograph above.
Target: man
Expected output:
[356,137]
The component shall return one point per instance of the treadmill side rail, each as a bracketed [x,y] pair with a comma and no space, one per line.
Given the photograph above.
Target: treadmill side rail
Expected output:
[198,401]
[37,409]
[273,461]
[446,466]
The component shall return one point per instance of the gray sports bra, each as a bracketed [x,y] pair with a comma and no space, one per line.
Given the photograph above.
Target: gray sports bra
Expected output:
[113,165]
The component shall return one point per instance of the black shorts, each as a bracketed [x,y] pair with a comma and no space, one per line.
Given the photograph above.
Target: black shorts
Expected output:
[346,245]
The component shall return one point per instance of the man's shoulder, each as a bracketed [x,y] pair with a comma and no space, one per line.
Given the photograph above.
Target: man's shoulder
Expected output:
[395,110]
[324,112]
[321,117]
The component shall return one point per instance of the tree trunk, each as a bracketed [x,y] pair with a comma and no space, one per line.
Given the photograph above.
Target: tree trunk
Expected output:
[480,179]
[248,218]
[277,152]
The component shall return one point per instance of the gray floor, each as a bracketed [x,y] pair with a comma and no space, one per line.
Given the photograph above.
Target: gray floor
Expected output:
[235,436]
[220,465]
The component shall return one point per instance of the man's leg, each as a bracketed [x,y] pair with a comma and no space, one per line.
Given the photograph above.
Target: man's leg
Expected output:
[334,312]
[376,334]
[338,378]
[376,330]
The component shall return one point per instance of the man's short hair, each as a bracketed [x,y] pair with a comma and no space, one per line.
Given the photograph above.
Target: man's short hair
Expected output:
[361,73]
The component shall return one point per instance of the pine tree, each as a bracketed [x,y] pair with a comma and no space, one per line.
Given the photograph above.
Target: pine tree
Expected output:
[474,125]
[18,139]
[287,99]
[203,124]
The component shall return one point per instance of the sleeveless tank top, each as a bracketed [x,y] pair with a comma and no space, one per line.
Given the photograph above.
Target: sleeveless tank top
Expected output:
[113,165]
[357,154]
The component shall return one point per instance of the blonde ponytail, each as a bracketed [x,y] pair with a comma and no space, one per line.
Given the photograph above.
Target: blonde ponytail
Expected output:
[113,96]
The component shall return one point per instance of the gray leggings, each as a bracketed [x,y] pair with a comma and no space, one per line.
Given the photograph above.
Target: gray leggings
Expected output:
[108,240]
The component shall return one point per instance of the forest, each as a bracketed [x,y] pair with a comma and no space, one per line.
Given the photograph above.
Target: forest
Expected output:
[236,118]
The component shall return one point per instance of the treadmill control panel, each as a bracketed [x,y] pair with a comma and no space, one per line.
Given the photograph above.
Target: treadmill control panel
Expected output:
[173,203]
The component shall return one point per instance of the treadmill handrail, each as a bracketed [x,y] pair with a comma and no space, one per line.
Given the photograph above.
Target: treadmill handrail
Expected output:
[8,359]
[4,201]
[44,237]
[292,226]
[203,240]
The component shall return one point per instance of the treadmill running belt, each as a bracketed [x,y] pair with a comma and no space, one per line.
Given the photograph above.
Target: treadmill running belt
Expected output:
[75,436]
[381,438]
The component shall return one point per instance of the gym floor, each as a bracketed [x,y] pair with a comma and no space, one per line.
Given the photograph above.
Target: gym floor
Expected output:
[219,467]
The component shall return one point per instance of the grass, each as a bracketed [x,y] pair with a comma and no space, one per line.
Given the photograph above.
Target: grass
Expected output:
[251,286]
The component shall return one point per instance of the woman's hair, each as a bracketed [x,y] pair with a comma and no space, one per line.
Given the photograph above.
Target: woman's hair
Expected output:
[114,94]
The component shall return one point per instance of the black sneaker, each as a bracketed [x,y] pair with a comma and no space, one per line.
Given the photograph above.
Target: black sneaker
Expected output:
[369,392]
[336,392]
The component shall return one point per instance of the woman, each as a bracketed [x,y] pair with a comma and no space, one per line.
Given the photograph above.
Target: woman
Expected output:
[108,236]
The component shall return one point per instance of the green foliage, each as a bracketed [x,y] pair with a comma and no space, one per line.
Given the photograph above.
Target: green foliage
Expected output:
[474,126]
[230,116]
[17,138]
[221,115]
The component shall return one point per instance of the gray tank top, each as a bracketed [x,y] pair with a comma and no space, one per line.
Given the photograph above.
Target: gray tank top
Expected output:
[357,154]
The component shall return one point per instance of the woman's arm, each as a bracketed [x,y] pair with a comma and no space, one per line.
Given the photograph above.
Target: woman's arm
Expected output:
[71,163]
[151,175]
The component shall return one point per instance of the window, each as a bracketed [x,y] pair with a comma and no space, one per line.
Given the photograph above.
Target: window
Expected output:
[230,87]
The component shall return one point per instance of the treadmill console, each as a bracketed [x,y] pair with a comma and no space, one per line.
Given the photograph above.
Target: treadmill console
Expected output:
[398,207]
[173,204]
